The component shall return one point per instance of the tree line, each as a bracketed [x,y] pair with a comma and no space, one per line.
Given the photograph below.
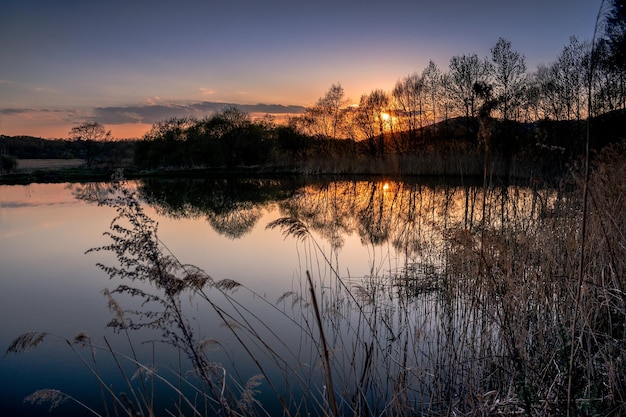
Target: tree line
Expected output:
[441,109]
[556,91]
[423,110]
[420,104]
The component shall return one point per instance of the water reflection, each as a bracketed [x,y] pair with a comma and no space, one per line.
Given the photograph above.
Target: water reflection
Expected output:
[411,216]
[457,314]
[460,261]
[232,207]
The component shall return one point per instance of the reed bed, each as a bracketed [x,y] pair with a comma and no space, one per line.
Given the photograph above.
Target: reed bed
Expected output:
[483,316]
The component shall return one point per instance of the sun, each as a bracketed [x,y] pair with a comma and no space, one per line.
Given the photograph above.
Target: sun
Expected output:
[385,116]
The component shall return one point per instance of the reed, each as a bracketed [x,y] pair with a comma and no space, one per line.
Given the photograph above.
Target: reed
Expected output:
[496,310]
[476,319]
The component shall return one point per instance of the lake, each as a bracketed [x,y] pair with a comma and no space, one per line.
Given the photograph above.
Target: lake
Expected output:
[376,297]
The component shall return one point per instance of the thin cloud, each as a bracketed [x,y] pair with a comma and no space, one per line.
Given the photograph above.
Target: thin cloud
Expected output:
[43,90]
[16,112]
[150,114]
[47,114]
[145,114]
[206,91]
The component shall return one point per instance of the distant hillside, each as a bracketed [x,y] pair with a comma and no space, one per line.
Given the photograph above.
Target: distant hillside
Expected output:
[608,128]
[516,138]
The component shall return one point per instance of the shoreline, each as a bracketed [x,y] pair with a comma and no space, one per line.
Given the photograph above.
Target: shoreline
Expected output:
[56,171]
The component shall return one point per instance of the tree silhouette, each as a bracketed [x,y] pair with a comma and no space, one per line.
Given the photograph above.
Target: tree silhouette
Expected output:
[616,33]
[89,133]
[326,117]
[509,75]
[409,96]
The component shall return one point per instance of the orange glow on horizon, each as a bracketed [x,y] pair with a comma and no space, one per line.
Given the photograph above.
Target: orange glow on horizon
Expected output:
[118,131]
[61,131]
[129,130]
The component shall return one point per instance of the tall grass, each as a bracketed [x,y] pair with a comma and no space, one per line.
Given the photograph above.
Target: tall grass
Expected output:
[486,327]
[473,320]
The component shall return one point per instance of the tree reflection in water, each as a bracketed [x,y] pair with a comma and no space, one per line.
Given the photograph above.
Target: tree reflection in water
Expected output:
[469,317]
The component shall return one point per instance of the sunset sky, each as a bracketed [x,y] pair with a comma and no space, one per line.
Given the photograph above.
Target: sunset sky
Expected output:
[128,64]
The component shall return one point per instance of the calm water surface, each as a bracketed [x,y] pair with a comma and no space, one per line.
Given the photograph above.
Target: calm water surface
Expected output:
[364,229]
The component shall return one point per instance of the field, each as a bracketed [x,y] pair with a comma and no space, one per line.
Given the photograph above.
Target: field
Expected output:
[27,165]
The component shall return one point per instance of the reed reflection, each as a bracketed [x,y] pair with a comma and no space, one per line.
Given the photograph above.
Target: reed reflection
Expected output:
[414,218]
[477,295]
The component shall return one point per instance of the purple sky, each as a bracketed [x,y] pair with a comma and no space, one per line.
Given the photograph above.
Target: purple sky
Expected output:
[64,62]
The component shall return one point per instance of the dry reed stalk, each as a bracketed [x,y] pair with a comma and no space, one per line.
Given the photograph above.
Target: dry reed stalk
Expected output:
[55,398]
[476,324]
[325,352]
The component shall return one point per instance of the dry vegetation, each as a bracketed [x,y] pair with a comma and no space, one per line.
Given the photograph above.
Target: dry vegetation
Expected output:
[504,314]
[28,165]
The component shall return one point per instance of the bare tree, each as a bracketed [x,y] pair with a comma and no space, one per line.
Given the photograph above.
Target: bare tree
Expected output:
[465,72]
[609,81]
[409,94]
[570,71]
[615,33]
[90,133]
[611,54]
[550,103]
[326,117]
[531,103]
[509,75]
[371,114]
[432,78]
[447,104]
